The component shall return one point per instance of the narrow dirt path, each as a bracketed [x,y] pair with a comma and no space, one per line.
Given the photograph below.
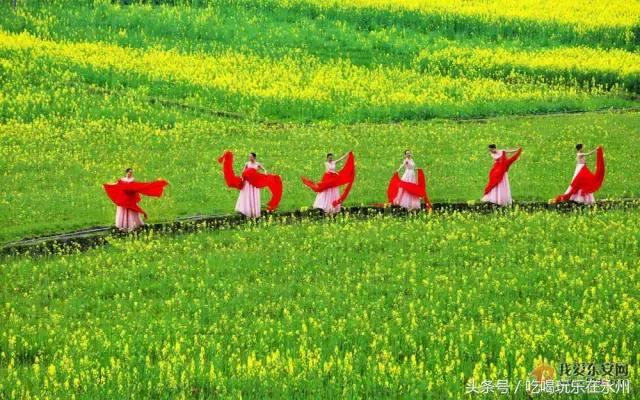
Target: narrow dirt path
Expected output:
[97,236]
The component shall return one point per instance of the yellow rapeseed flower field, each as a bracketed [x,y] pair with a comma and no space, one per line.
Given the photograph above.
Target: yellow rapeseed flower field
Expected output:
[427,305]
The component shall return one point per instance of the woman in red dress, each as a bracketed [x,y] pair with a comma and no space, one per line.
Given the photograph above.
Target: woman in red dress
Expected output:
[328,196]
[125,194]
[250,183]
[498,190]
[584,182]
[407,191]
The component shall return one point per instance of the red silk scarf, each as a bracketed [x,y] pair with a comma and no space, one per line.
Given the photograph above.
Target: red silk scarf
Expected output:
[416,189]
[345,176]
[586,181]
[253,177]
[127,194]
[500,167]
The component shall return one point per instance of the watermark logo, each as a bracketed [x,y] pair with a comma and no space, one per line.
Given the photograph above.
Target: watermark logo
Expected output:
[543,372]
[570,378]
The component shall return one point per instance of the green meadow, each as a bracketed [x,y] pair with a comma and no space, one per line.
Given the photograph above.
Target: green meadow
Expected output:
[393,307]
[416,306]
[55,170]
[92,88]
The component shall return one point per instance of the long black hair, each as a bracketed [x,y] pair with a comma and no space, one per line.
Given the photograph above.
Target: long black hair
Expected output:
[579,146]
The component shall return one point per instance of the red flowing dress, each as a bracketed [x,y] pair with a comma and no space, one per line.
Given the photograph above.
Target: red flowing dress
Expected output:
[585,182]
[328,196]
[408,190]
[498,190]
[249,185]
[126,194]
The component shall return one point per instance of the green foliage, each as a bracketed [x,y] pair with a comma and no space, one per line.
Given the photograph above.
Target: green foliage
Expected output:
[55,167]
[411,307]
[382,308]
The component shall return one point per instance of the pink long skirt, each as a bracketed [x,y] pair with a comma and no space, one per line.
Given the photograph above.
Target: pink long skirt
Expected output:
[501,193]
[325,199]
[127,220]
[405,199]
[248,203]
[580,197]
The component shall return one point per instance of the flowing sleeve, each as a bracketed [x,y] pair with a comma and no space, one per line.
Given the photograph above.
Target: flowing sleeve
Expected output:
[230,178]
[127,194]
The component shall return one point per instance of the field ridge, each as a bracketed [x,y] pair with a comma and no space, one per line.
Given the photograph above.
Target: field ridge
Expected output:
[87,238]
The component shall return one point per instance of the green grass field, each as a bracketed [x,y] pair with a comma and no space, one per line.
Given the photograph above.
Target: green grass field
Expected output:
[91,89]
[55,171]
[388,307]
[301,61]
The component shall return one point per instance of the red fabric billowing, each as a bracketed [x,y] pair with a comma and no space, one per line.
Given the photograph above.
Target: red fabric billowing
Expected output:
[345,176]
[270,181]
[586,181]
[230,178]
[127,194]
[255,178]
[500,167]
[416,189]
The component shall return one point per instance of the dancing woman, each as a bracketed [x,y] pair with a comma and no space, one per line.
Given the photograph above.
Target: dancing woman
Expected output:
[407,191]
[250,183]
[498,190]
[584,183]
[328,196]
[125,194]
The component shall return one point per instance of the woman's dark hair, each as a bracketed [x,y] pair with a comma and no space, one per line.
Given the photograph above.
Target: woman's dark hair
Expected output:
[253,154]
[406,151]
[126,171]
[492,146]
[329,154]
[579,146]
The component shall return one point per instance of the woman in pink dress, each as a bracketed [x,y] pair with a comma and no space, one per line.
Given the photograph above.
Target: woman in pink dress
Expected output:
[126,219]
[579,197]
[248,202]
[403,198]
[126,194]
[498,190]
[249,184]
[325,199]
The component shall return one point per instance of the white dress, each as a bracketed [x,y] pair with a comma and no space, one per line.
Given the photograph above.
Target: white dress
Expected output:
[248,202]
[325,199]
[403,198]
[579,197]
[127,220]
[501,193]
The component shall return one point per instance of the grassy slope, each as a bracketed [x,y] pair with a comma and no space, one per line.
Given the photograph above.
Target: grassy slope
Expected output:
[332,47]
[272,25]
[76,157]
[347,309]
[300,87]
[385,307]
[70,126]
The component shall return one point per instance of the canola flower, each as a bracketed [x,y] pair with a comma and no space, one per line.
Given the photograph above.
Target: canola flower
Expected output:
[612,67]
[381,312]
[299,85]
[55,166]
[584,14]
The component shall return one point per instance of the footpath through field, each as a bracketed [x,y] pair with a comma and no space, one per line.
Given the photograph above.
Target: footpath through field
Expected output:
[84,239]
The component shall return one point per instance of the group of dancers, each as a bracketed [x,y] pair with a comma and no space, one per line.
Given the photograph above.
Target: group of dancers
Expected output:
[408,191]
